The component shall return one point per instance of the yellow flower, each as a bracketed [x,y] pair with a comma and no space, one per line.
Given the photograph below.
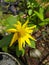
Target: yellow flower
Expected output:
[22,34]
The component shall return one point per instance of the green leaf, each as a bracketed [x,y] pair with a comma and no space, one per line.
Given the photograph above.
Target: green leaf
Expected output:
[9,21]
[30,11]
[12,19]
[41,11]
[0,13]
[5,48]
[40,14]
[10,0]
[32,44]
[23,52]
[18,52]
[45,22]
[6,40]
[47,19]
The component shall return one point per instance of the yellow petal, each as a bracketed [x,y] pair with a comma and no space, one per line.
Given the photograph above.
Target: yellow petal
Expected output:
[23,40]
[24,44]
[11,30]
[15,37]
[25,24]
[29,31]
[29,36]
[18,25]
[28,41]
[20,43]
[31,27]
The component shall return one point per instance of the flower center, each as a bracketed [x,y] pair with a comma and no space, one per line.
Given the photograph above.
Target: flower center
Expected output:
[21,32]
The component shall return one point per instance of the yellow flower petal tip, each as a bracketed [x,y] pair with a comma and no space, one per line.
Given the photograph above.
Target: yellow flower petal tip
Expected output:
[21,34]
